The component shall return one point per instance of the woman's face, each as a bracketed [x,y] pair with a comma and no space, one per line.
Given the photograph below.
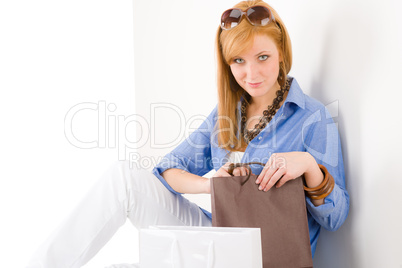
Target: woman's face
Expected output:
[256,70]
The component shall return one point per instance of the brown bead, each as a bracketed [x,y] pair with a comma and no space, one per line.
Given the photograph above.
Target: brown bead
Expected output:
[267,114]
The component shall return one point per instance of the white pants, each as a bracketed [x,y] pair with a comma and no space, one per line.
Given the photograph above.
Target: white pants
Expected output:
[120,193]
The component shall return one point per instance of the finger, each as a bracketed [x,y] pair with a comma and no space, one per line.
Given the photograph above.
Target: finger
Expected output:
[275,177]
[263,174]
[244,171]
[267,177]
[283,180]
[225,167]
[223,171]
[239,171]
[236,172]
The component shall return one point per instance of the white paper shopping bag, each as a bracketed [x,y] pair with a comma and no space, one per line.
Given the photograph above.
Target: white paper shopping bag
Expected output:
[200,247]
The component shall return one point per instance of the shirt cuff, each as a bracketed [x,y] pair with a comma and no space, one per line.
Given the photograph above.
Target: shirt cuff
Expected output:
[164,165]
[325,210]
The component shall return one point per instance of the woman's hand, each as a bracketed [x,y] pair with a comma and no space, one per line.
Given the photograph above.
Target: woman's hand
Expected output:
[223,171]
[283,167]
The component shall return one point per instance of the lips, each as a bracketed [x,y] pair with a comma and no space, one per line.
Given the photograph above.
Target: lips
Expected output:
[254,85]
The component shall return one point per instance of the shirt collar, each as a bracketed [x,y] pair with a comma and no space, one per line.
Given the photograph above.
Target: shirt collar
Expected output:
[295,95]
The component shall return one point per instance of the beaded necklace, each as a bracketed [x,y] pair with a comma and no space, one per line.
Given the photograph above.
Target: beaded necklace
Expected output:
[268,114]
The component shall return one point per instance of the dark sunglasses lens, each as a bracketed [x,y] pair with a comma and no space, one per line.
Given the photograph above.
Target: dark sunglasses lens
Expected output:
[259,16]
[230,18]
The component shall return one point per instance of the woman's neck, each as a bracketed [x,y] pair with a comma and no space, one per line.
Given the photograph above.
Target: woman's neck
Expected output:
[257,106]
[262,102]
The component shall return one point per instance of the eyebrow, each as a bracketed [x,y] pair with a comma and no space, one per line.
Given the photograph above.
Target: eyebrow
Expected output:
[262,52]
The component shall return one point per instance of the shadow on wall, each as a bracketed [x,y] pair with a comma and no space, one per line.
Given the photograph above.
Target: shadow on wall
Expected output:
[340,78]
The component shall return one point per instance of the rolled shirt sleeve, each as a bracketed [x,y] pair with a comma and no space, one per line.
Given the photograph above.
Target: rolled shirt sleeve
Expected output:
[323,143]
[192,155]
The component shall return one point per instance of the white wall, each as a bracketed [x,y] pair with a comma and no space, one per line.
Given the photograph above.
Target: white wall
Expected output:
[55,55]
[359,59]
[346,54]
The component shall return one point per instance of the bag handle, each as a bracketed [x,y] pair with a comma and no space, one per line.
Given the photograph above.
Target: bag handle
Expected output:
[174,255]
[232,166]
[211,250]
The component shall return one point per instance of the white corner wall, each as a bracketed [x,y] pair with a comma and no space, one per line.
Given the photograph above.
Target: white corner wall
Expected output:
[346,54]
[55,55]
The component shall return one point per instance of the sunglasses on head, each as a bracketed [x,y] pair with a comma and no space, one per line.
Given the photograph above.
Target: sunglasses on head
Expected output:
[256,15]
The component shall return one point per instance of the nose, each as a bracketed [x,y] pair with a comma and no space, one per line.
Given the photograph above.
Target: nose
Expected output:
[252,72]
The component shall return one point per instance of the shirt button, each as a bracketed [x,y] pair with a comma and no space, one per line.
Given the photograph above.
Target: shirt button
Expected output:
[259,138]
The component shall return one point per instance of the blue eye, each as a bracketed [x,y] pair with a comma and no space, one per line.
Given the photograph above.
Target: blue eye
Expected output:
[238,60]
[263,57]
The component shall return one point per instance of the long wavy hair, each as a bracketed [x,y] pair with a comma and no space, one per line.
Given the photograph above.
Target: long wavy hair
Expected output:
[230,43]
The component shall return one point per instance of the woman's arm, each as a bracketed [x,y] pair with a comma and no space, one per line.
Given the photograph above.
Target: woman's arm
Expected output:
[313,177]
[184,182]
[191,159]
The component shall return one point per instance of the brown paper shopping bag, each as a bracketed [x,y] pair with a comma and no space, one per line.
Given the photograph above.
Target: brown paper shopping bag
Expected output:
[280,213]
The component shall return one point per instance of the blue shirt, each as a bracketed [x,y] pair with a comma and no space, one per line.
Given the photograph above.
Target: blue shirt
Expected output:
[301,124]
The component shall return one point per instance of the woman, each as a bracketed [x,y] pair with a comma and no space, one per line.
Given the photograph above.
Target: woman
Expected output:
[262,115]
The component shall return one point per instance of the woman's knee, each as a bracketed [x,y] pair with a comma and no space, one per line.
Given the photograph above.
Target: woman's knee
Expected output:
[132,175]
[126,168]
